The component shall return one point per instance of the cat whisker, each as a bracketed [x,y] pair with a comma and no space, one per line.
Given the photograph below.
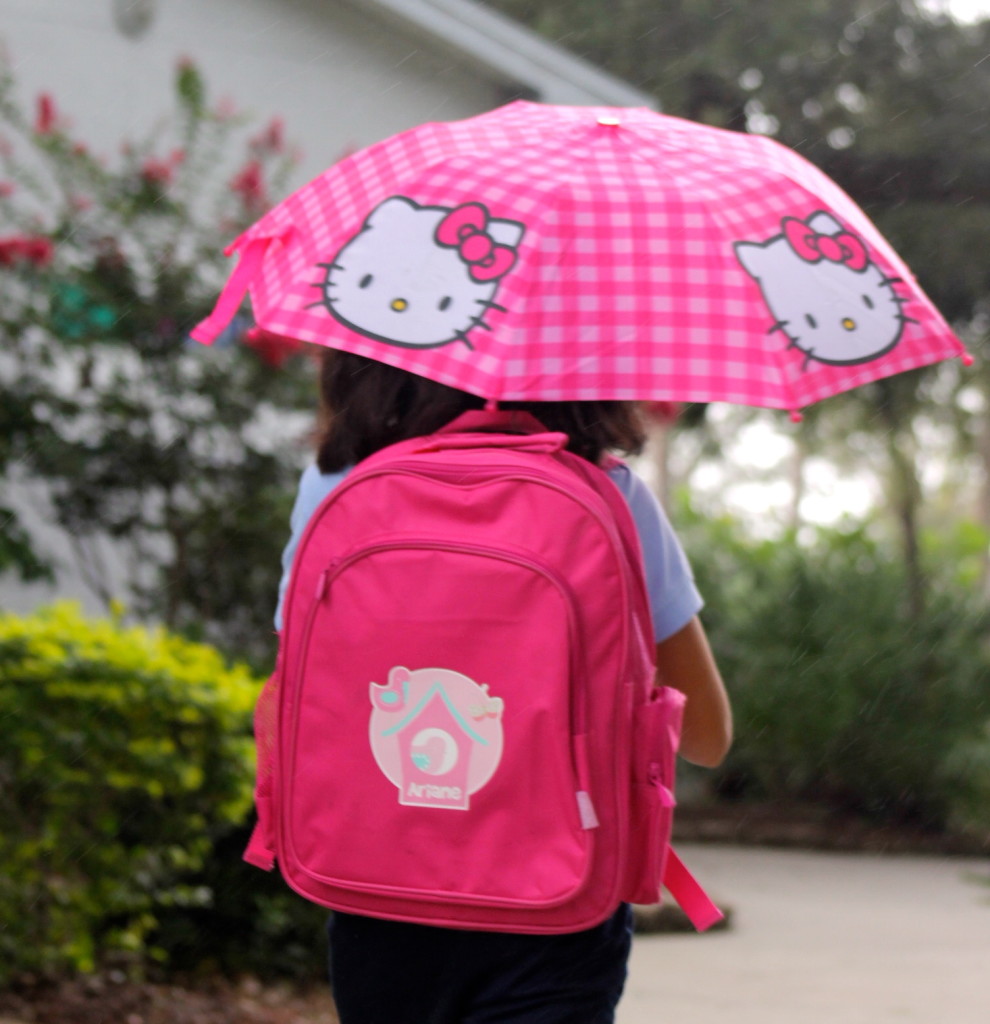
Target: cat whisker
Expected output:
[322,302]
[331,266]
[461,336]
[318,284]
[478,322]
[488,304]
[902,298]
[892,280]
[778,326]
[908,320]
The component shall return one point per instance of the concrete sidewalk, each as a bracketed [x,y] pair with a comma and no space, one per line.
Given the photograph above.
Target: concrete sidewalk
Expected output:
[823,938]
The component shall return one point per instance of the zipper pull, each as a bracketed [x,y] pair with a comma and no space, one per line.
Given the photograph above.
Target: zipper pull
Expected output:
[321,585]
[666,794]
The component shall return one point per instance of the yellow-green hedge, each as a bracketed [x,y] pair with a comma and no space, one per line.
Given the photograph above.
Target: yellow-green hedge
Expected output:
[124,753]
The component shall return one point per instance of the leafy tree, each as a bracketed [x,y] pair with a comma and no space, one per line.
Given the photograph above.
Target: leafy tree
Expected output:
[184,457]
[890,101]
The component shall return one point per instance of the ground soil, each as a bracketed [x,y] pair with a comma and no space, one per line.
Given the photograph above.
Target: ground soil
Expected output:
[112,998]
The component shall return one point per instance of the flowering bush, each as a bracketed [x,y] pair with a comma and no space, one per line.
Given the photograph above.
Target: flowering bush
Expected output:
[126,753]
[183,457]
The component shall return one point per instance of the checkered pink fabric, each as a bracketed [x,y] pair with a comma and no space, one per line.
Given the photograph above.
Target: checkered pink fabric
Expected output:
[628,280]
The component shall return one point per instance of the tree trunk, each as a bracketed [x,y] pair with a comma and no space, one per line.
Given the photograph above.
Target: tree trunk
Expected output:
[983,508]
[660,449]
[905,498]
[799,457]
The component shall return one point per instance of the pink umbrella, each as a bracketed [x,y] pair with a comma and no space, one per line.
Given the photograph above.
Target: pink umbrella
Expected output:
[554,253]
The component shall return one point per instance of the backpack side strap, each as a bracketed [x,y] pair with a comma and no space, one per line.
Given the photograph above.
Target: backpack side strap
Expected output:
[691,898]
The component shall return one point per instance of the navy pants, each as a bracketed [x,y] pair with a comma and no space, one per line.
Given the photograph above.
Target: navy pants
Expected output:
[389,972]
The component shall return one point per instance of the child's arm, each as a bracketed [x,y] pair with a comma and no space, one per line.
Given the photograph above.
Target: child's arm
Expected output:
[685,662]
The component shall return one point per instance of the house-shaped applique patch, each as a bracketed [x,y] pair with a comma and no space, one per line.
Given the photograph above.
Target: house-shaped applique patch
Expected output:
[437,741]
[435,745]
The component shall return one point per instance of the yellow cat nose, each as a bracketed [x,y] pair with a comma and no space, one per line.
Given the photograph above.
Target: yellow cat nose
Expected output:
[849,323]
[399,305]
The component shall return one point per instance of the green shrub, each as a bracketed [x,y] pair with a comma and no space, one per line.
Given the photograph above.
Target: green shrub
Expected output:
[839,696]
[126,752]
[253,923]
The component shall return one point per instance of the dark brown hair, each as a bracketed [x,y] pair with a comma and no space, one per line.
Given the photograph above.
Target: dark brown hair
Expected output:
[367,405]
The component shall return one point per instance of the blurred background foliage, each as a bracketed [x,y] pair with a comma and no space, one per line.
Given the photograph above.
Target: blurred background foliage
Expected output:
[858,656]
[842,697]
[889,99]
[126,779]
[185,458]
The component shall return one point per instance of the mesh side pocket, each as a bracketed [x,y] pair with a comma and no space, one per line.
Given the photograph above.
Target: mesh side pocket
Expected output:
[265,724]
[261,847]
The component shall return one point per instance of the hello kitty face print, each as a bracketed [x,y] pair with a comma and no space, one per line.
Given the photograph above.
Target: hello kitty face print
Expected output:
[827,297]
[420,276]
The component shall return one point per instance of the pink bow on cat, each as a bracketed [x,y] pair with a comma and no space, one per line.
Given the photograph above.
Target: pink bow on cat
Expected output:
[842,247]
[465,229]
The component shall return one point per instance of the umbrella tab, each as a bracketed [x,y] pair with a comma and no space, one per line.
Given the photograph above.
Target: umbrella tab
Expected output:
[207,331]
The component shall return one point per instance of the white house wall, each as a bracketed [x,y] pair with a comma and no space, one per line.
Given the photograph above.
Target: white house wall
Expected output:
[338,78]
[342,74]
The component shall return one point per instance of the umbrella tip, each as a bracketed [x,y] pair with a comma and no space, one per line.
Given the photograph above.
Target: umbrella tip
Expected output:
[967,358]
[796,417]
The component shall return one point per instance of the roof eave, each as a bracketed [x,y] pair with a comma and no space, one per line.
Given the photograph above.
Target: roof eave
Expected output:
[511,54]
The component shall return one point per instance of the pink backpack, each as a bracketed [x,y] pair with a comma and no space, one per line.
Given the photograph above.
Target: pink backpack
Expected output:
[462,728]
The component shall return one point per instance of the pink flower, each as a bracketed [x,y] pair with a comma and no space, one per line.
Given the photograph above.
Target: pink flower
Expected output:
[35,249]
[157,172]
[39,251]
[664,413]
[46,118]
[249,182]
[271,139]
[273,349]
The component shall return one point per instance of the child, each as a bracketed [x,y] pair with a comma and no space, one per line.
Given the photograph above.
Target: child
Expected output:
[387,972]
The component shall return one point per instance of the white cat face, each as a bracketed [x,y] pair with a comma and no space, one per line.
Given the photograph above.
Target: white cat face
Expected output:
[420,276]
[827,297]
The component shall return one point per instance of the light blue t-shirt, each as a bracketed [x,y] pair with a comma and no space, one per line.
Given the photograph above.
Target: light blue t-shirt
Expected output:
[674,599]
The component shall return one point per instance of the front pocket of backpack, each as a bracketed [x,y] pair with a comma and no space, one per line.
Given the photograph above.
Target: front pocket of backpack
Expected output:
[656,731]
[432,753]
